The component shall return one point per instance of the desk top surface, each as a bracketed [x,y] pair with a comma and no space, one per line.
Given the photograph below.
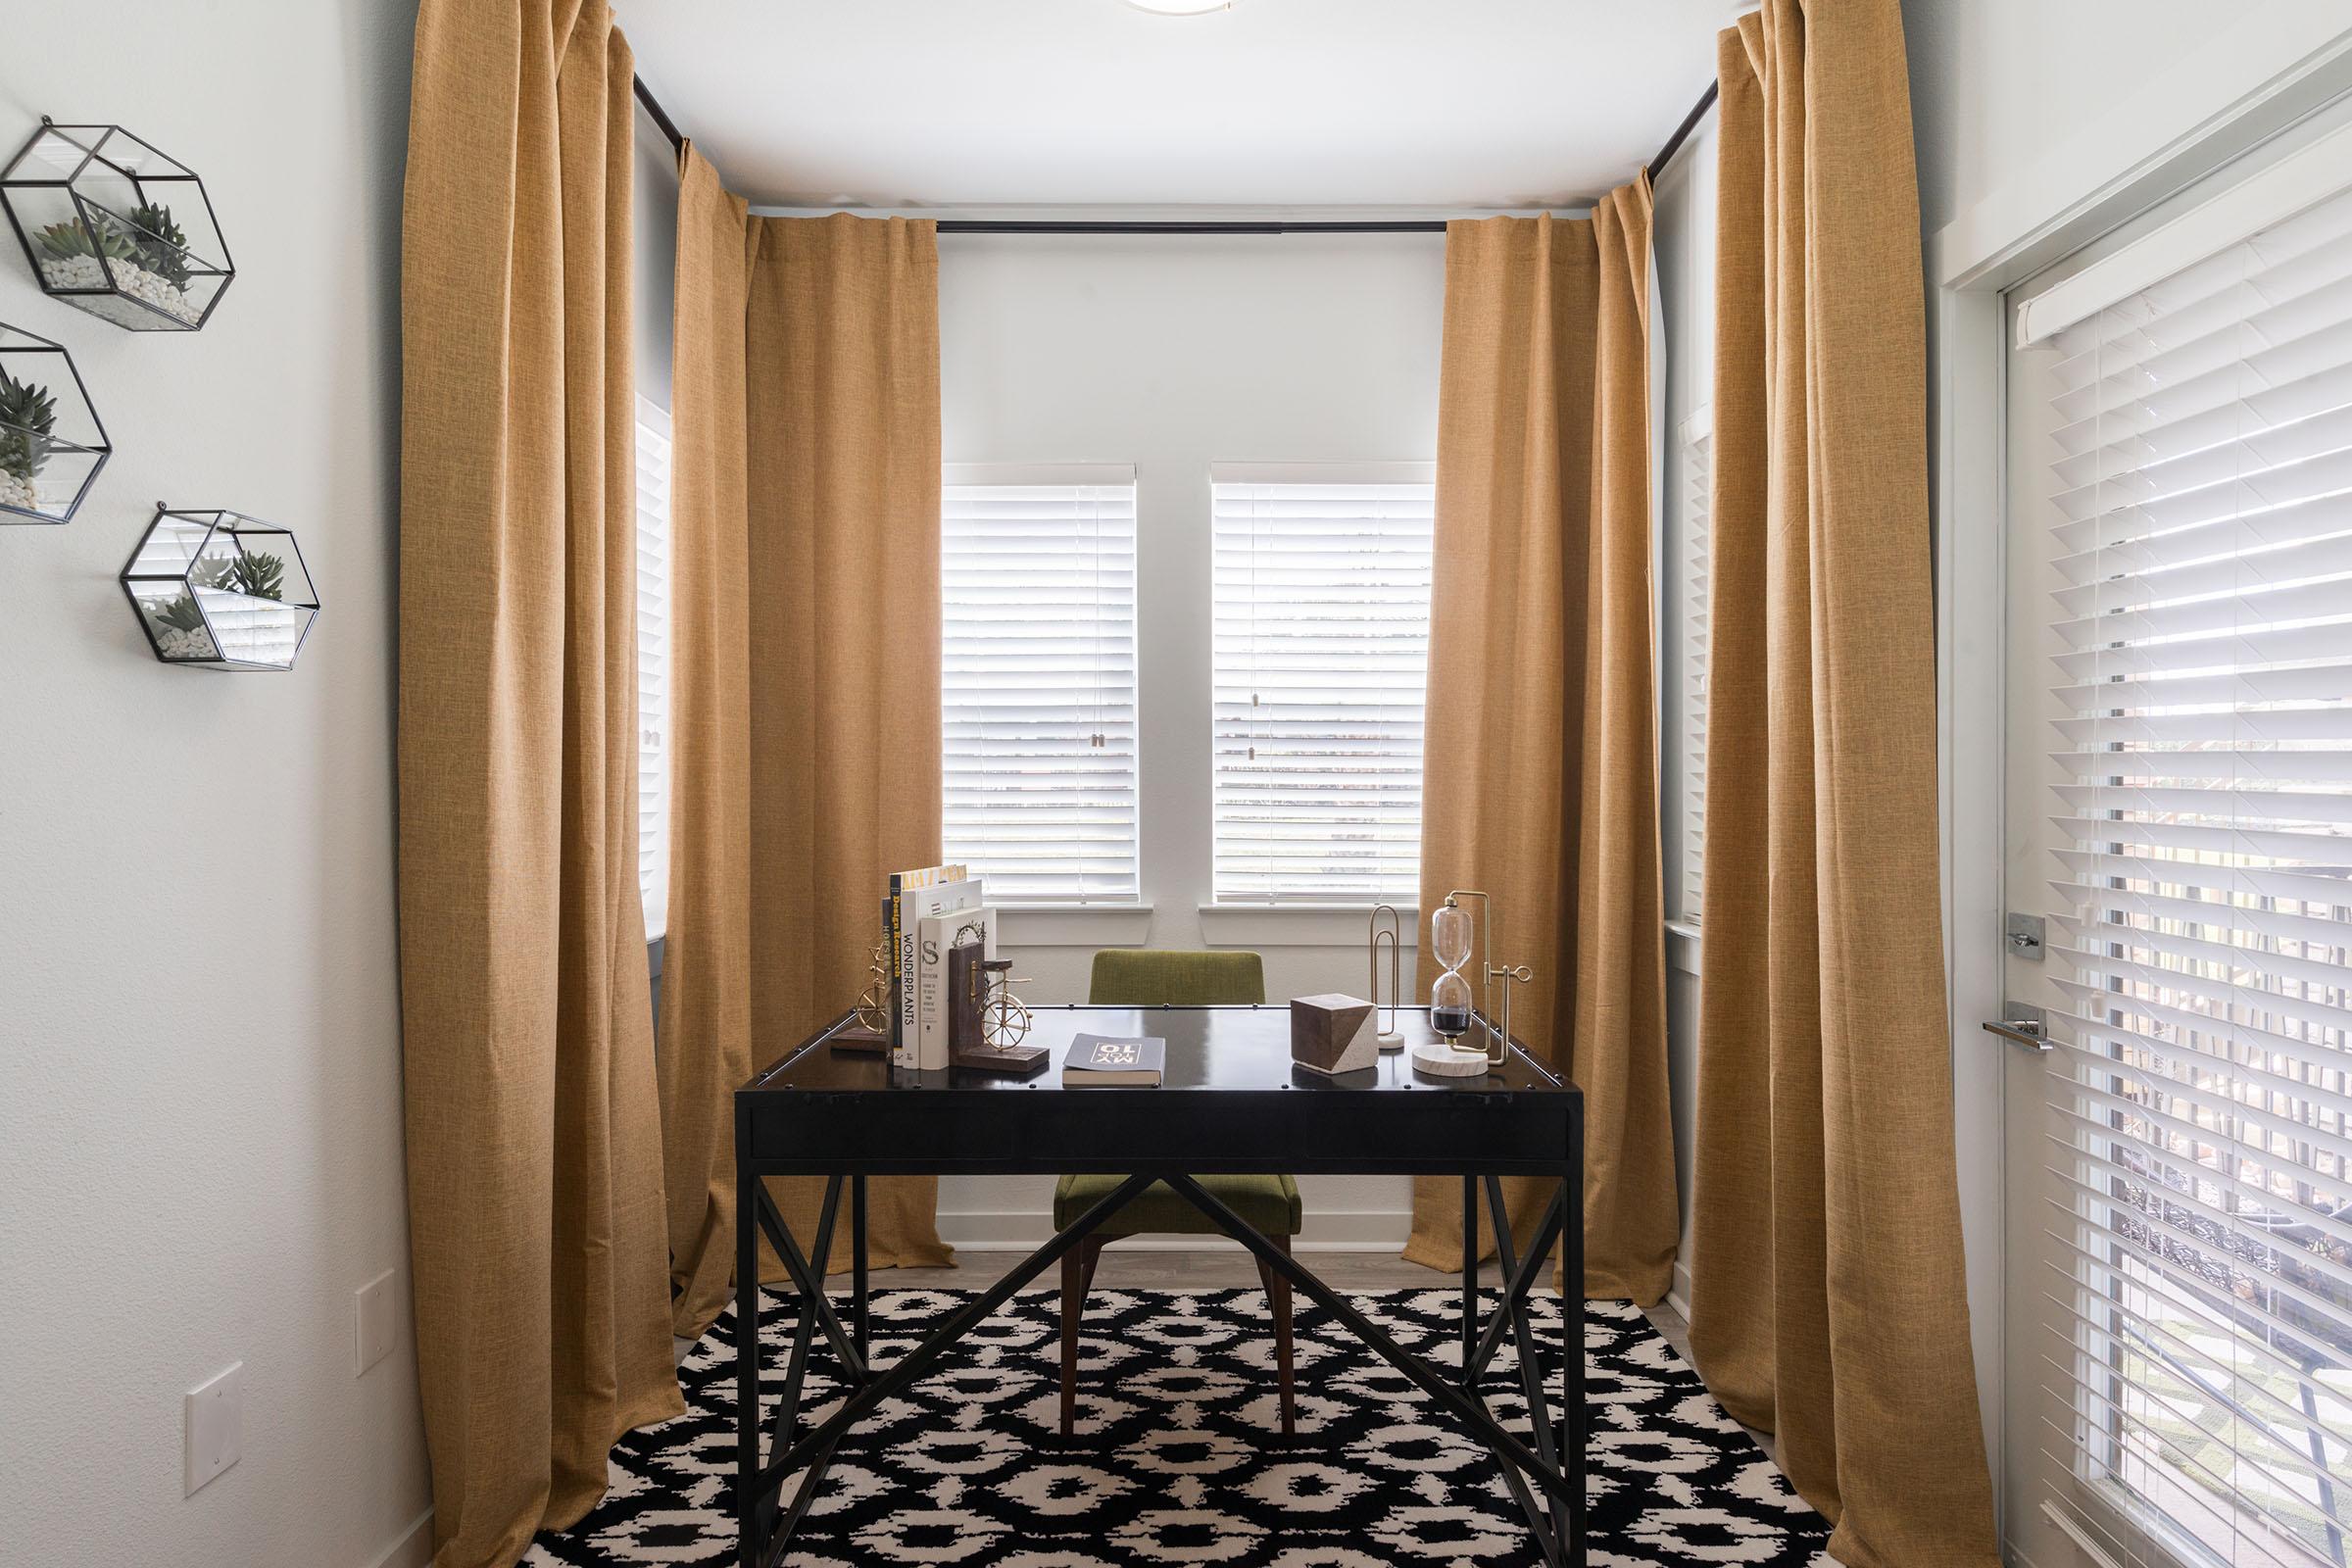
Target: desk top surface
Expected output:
[1230,1049]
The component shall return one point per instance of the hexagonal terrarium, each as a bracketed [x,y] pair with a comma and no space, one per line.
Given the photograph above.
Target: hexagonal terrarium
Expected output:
[51,443]
[220,590]
[116,228]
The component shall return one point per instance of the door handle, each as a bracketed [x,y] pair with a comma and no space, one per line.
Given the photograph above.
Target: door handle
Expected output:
[2025,1032]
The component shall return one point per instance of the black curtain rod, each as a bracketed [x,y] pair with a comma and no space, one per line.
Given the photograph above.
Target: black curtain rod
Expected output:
[1009,225]
[1681,132]
[653,107]
[987,226]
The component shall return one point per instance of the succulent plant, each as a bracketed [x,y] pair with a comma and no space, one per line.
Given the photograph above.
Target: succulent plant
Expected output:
[100,242]
[159,243]
[181,614]
[28,417]
[257,576]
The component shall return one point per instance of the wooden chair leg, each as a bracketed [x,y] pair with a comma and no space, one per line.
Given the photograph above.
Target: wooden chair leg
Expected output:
[1278,1296]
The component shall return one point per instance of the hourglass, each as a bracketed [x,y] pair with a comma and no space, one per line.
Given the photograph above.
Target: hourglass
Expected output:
[1450,1012]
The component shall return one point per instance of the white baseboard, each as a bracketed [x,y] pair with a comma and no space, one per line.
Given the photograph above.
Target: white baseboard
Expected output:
[413,1548]
[1002,1231]
[1678,1295]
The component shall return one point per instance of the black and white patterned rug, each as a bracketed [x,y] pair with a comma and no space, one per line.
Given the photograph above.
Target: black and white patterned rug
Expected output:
[1178,1458]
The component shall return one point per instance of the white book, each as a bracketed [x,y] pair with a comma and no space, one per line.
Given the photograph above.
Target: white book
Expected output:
[902,904]
[938,933]
[915,905]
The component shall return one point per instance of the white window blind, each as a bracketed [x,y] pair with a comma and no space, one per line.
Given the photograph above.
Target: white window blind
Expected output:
[1695,604]
[652,664]
[1038,679]
[2201,631]
[1321,657]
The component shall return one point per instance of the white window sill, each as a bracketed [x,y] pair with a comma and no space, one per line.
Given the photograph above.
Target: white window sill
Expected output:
[1681,946]
[1074,925]
[1299,925]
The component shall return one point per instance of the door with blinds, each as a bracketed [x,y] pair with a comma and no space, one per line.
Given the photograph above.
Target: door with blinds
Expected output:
[2179,1228]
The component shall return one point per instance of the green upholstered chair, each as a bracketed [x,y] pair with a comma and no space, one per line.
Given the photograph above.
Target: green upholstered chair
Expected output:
[1132,977]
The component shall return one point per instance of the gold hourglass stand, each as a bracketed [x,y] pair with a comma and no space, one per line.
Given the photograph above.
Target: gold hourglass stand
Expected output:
[1451,1012]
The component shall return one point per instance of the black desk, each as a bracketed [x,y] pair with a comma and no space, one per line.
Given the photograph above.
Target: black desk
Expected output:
[1230,1102]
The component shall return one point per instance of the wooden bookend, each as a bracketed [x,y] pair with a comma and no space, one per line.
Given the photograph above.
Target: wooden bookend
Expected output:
[1333,1034]
[968,1046]
[853,1036]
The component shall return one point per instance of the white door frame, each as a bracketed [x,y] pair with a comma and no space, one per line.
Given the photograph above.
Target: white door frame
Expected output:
[2278,64]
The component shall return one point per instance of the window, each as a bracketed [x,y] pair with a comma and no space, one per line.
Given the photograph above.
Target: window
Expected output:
[1038,679]
[652,664]
[2201,692]
[1693,605]
[1321,657]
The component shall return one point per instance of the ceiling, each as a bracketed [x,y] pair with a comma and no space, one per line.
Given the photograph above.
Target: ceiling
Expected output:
[1432,104]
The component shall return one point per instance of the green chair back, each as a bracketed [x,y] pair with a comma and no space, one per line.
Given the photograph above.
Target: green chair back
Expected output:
[1147,977]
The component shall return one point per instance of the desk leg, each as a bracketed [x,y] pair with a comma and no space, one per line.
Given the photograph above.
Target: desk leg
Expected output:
[747,1360]
[1572,1348]
[1531,1353]
[858,1314]
[1469,1279]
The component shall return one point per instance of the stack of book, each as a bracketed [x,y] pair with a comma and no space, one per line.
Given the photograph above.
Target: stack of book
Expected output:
[924,913]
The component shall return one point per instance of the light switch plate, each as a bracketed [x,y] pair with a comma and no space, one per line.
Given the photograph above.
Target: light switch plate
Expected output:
[214,1427]
[373,1325]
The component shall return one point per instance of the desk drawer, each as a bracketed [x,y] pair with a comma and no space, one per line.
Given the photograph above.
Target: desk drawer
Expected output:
[946,1132]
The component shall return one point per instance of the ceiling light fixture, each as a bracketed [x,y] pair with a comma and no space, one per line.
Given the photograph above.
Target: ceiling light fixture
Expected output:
[1181,8]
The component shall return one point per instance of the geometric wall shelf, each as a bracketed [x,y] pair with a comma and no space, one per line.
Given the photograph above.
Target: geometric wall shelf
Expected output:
[219,590]
[115,227]
[51,443]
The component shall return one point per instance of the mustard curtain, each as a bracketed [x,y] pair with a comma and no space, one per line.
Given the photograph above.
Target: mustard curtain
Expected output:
[533,1143]
[705,963]
[804,527]
[1539,783]
[1825,1302]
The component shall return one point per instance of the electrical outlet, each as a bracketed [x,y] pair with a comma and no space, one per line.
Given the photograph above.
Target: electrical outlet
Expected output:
[373,1340]
[214,1426]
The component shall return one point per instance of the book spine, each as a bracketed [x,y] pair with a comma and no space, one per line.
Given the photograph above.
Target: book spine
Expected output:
[930,1022]
[912,909]
[899,1055]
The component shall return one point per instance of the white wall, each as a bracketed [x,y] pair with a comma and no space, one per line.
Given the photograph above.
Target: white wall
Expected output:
[655,213]
[2026,111]
[1171,354]
[200,1088]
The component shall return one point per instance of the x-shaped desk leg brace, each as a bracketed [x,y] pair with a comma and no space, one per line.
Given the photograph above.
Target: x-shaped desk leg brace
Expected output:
[764,1531]
[1562,1547]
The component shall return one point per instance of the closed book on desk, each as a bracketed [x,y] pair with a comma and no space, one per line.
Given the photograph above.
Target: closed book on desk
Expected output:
[906,897]
[1097,1061]
[935,934]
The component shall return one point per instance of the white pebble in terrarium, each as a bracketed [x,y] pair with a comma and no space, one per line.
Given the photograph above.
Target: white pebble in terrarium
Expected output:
[142,253]
[73,271]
